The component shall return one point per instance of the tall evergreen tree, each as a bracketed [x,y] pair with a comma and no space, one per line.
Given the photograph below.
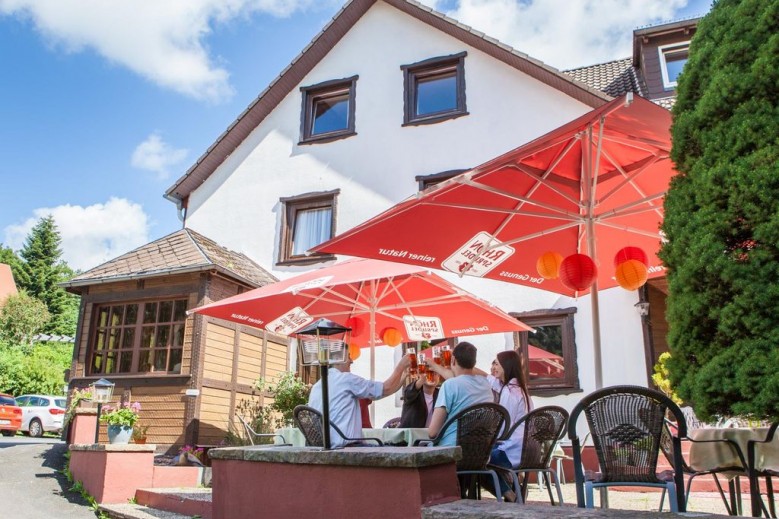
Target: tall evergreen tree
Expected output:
[41,272]
[722,215]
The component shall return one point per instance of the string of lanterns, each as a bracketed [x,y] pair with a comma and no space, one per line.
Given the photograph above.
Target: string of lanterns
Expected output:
[578,271]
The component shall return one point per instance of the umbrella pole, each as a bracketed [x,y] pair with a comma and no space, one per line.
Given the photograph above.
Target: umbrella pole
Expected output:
[373,358]
[590,226]
[596,336]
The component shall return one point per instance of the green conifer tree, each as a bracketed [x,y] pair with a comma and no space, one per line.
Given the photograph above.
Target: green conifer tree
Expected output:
[42,270]
[722,215]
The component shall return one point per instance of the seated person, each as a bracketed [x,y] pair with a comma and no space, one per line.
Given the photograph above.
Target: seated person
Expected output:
[464,389]
[419,397]
[345,389]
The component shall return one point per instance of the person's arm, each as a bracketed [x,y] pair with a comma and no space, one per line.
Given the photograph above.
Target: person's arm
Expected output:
[477,371]
[412,390]
[438,421]
[395,380]
[445,373]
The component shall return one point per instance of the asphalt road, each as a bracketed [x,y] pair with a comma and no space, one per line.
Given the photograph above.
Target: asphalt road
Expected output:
[31,485]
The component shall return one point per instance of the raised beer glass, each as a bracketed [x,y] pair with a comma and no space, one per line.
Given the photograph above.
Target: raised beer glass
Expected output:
[413,358]
[437,360]
[446,355]
[421,363]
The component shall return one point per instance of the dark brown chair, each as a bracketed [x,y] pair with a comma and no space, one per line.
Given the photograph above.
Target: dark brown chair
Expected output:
[756,473]
[478,429]
[626,423]
[392,423]
[309,421]
[543,429]
[667,446]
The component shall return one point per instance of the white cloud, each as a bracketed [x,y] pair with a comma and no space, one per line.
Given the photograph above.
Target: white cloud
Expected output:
[563,33]
[90,235]
[163,41]
[158,156]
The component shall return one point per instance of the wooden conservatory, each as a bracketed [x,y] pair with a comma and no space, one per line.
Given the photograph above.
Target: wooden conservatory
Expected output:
[188,372]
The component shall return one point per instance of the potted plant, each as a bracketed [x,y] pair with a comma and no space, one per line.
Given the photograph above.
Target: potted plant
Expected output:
[120,420]
[139,433]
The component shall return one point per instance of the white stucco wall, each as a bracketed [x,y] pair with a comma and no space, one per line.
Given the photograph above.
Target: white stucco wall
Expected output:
[239,207]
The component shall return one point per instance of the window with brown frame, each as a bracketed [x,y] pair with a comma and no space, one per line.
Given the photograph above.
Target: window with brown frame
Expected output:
[550,353]
[138,337]
[328,111]
[434,90]
[307,221]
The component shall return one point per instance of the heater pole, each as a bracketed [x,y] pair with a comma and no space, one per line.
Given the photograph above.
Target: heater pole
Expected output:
[325,406]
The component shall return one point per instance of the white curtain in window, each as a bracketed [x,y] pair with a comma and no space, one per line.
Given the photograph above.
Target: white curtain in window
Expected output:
[312,227]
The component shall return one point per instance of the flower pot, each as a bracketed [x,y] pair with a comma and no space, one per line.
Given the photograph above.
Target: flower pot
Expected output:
[139,441]
[119,433]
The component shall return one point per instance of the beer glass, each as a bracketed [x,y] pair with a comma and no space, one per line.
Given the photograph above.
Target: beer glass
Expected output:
[446,354]
[413,357]
[421,364]
[437,360]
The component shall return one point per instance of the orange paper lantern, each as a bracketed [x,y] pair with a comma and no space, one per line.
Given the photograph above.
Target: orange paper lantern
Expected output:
[354,351]
[578,272]
[631,274]
[391,336]
[631,253]
[357,325]
[548,265]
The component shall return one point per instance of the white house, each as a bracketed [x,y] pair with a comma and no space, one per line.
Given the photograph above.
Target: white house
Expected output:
[389,97]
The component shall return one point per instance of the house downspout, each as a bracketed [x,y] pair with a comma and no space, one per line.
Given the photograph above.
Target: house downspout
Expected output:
[181,211]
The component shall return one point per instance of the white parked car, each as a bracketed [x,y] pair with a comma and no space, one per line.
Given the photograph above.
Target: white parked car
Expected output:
[41,413]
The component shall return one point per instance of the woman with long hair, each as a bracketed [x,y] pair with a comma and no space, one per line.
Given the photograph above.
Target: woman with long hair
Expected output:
[508,382]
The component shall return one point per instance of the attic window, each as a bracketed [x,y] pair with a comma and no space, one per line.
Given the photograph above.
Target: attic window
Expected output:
[434,90]
[328,111]
[672,60]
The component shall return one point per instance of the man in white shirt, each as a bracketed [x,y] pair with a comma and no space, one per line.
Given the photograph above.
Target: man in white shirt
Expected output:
[345,389]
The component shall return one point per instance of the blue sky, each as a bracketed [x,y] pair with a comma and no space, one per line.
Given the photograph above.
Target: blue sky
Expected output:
[103,105]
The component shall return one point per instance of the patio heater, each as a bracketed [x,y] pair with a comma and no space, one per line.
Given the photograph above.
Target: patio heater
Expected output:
[101,393]
[324,343]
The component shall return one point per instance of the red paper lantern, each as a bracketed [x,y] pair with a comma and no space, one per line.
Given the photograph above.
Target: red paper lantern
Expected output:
[548,265]
[578,272]
[357,325]
[631,253]
[631,274]
[354,351]
[391,336]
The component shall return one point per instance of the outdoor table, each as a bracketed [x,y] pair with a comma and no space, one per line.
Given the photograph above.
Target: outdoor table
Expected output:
[293,435]
[708,456]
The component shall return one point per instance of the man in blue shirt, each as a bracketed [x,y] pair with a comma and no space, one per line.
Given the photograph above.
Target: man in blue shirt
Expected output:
[466,388]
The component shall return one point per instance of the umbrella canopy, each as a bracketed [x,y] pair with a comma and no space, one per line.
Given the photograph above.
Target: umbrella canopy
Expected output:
[592,186]
[368,296]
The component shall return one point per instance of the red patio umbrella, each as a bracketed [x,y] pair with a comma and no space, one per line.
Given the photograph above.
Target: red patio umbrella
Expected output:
[592,186]
[368,294]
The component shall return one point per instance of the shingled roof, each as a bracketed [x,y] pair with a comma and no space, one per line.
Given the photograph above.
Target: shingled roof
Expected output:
[177,253]
[614,78]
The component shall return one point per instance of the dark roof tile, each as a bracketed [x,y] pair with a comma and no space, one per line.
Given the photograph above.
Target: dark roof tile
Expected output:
[614,78]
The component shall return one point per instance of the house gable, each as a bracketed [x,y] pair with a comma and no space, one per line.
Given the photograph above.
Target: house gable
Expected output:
[321,45]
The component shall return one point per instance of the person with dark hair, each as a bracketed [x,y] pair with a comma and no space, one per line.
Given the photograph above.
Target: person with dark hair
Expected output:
[466,388]
[507,379]
[419,398]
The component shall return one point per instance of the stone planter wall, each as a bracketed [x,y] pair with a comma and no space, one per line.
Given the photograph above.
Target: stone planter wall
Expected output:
[112,473]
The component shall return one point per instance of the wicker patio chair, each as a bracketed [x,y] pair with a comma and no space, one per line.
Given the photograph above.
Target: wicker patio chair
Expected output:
[626,423]
[543,429]
[392,423]
[478,429]
[755,474]
[251,434]
[309,421]
[667,447]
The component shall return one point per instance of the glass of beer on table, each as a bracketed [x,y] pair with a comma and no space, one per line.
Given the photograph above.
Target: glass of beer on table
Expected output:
[413,358]
[446,355]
